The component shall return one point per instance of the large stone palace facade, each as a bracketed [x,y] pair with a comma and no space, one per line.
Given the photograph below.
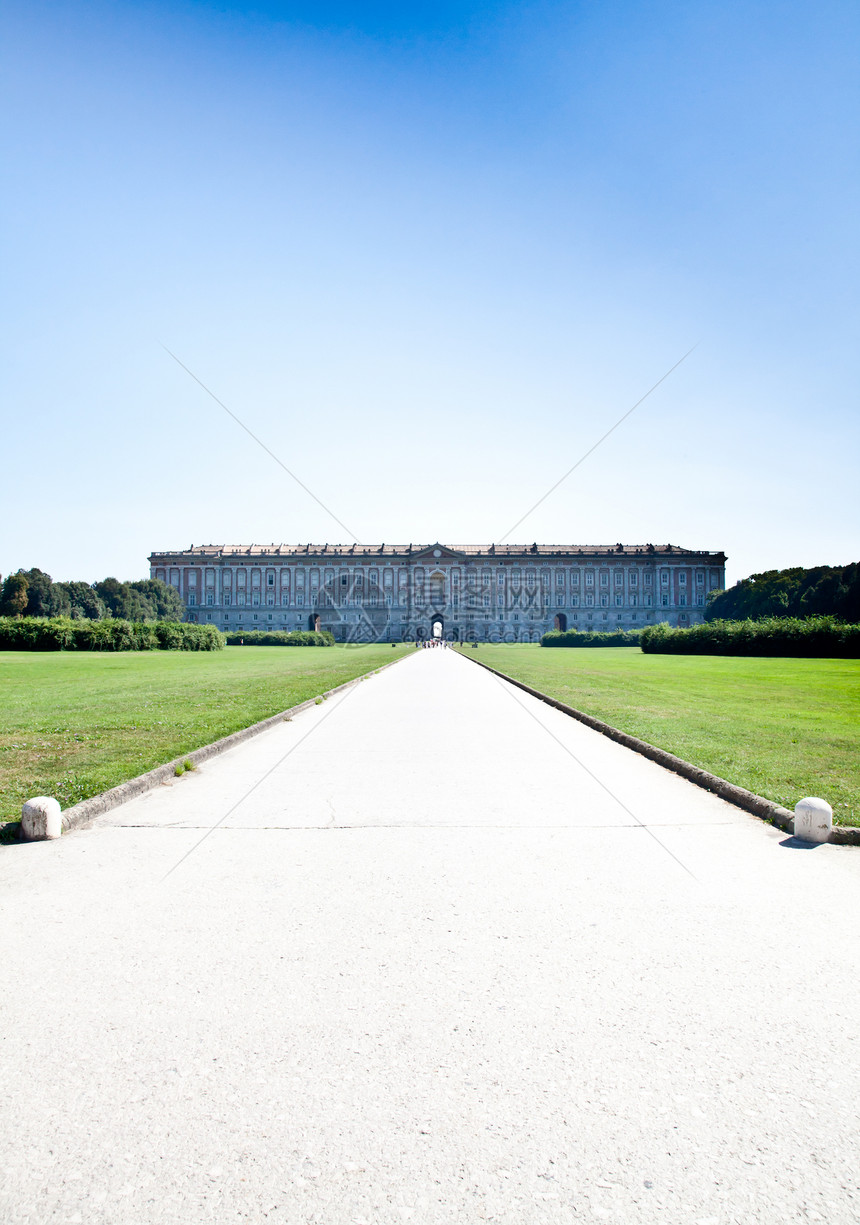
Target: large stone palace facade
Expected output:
[488,593]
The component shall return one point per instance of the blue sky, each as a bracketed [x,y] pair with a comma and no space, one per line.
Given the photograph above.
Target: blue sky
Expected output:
[429,253]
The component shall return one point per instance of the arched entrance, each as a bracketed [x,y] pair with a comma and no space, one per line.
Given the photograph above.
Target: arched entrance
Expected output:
[560,621]
[314,621]
[437,626]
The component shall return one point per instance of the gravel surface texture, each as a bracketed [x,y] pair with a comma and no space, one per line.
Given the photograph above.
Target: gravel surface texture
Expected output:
[432,952]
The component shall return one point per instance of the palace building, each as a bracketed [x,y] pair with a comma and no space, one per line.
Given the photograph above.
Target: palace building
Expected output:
[484,593]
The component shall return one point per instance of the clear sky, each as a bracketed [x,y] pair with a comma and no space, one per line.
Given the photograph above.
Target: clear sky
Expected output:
[429,253]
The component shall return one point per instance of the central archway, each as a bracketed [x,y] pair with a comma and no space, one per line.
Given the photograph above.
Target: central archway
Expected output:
[560,621]
[437,626]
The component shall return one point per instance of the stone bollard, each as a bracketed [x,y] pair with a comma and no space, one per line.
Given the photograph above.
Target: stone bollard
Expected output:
[813,819]
[40,819]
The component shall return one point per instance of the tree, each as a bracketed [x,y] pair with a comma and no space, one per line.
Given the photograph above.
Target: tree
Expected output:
[795,592]
[165,599]
[14,599]
[121,601]
[39,593]
[83,602]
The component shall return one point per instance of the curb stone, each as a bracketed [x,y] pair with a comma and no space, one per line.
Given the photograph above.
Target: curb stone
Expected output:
[841,835]
[86,811]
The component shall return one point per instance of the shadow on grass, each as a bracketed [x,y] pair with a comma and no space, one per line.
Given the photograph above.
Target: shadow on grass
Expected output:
[10,832]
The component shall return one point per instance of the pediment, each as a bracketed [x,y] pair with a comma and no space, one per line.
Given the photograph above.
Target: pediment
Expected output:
[437,553]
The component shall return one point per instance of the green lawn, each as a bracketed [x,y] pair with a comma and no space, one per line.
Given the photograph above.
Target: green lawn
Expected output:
[784,728]
[75,723]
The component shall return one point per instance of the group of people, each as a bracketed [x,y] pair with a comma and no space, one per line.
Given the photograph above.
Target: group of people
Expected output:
[431,642]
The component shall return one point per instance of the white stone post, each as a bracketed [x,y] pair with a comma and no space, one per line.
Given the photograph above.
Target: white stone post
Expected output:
[40,819]
[813,819]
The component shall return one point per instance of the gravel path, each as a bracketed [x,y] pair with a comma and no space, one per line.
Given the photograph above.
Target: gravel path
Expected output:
[455,958]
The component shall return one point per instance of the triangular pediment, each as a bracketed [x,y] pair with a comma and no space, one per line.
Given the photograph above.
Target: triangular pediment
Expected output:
[438,552]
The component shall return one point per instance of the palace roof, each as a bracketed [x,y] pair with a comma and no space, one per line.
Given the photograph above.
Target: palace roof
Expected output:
[204,552]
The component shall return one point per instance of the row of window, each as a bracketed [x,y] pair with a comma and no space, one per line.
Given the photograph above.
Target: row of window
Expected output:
[514,577]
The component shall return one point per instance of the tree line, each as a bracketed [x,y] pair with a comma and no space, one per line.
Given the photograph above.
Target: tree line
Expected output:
[829,591]
[33,593]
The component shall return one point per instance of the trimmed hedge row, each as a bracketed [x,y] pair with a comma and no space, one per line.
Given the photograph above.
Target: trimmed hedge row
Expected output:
[573,638]
[66,634]
[280,638]
[811,637]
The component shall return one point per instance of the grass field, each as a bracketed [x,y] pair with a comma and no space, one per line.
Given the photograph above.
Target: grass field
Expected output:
[75,723]
[783,728]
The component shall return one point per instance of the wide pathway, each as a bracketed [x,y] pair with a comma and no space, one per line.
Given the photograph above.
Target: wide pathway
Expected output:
[430,952]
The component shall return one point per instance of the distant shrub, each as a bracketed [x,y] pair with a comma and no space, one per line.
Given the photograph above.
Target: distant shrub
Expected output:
[187,636]
[68,634]
[574,638]
[810,637]
[280,638]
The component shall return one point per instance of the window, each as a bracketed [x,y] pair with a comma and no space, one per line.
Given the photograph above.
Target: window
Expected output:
[300,600]
[516,617]
[270,598]
[619,578]
[604,600]
[618,601]
[210,598]
[574,601]
[192,600]
[665,601]
[633,601]
[589,579]
[256,617]
[682,601]
[255,598]
[700,599]
[700,578]
[604,578]
[589,599]
[241,597]
[664,578]
[682,579]
[560,601]
[486,601]
[270,579]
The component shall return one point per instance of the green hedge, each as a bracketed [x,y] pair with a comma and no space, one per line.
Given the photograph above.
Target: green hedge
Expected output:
[811,637]
[66,634]
[573,638]
[280,638]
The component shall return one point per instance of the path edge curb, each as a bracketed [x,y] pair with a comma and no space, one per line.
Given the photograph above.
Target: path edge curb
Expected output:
[782,818]
[86,811]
